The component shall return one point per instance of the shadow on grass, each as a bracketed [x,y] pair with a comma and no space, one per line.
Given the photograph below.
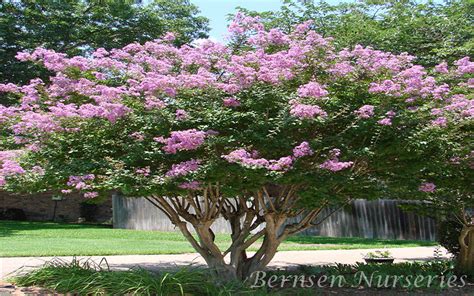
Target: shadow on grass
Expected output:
[9,228]
[320,240]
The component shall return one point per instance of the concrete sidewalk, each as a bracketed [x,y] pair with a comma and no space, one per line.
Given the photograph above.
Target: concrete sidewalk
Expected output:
[9,266]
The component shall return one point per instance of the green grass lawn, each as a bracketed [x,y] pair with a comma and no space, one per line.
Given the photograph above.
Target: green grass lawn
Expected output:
[58,239]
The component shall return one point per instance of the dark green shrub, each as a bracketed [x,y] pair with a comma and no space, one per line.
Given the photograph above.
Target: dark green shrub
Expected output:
[448,234]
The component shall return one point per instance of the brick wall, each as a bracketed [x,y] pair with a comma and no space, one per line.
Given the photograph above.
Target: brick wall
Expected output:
[40,207]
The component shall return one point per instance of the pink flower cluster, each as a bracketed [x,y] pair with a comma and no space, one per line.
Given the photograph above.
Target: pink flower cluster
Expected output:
[80,182]
[109,111]
[312,90]
[32,122]
[181,114]
[306,111]
[143,171]
[341,69]
[245,158]
[302,149]
[231,102]
[9,166]
[333,164]
[193,185]
[241,156]
[442,68]
[369,61]
[138,136]
[365,111]
[92,194]
[464,66]
[183,168]
[182,140]
[427,187]
[154,103]
[388,119]
[412,81]
[456,107]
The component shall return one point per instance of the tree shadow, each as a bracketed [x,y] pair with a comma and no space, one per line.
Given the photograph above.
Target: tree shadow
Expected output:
[11,228]
[321,240]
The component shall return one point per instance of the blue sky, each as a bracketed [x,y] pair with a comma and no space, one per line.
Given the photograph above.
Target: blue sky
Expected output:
[217,10]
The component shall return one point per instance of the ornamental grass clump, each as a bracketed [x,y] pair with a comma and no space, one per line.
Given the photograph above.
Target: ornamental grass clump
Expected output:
[85,277]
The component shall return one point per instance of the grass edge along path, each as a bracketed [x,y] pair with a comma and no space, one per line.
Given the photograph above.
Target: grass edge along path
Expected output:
[21,239]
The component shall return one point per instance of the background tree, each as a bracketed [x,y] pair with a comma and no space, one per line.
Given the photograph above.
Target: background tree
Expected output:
[259,131]
[431,31]
[77,27]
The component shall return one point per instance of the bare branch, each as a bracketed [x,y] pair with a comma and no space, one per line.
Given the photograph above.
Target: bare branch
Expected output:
[272,206]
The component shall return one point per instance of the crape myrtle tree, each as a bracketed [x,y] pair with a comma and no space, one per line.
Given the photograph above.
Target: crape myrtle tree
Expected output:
[266,128]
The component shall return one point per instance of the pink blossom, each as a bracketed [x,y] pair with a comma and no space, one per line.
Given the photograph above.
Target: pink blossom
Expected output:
[231,102]
[11,167]
[365,111]
[333,164]
[427,187]
[139,136]
[307,111]
[442,68]
[92,194]
[193,185]
[182,140]
[312,89]
[242,24]
[37,170]
[154,103]
[79,182]
[183,168]
[31,122]
[9,87]
[169,36]
[245,158]
[440,121]
[464,66]
[282,164]
[302,149]
[385,121]
[143,171]
[341,69]
[181,114]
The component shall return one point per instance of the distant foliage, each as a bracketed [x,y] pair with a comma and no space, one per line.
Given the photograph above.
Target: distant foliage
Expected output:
[430,30]
[78,27]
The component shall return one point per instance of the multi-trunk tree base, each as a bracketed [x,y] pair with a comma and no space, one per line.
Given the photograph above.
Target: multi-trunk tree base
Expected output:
[253,218]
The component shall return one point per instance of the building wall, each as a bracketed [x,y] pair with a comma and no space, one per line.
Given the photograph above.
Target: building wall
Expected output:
[381,219]
[40,207]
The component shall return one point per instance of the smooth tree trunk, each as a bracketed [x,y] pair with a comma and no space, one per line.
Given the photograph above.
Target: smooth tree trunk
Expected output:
[253,217]
[466,254]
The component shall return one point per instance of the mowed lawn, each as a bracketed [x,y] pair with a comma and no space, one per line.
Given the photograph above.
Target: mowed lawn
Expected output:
[58,239]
